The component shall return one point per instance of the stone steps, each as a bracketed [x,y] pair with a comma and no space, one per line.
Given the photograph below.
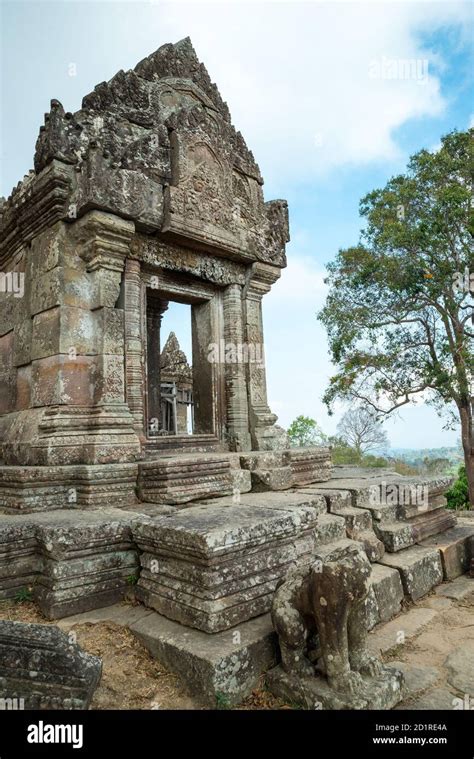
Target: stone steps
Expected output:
[395,536]
[329,529]
[420,569]
[399,535]
[357,520]
[456,548]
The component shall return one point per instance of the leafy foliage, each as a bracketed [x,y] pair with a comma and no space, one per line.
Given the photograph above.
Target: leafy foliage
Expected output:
[399,324]
[304,431]
[457,496]
[23,596]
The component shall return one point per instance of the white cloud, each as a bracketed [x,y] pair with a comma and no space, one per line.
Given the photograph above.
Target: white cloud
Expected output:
[296,75]
[301,280]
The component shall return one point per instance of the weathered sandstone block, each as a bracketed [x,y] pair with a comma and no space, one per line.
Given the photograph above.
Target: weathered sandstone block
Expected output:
[212,566]
[44,668]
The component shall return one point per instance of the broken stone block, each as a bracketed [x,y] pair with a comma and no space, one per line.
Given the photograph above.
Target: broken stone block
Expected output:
[272,479]
[270,470]
[420,569]
[44,668]
[310,464]
[213,566]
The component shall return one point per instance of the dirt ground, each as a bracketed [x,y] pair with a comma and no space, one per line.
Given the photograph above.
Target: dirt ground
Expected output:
[132,679]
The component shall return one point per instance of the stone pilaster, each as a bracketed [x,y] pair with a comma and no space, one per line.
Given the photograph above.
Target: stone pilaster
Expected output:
[265,435]
[155,309]
[237,413]
[134,351]
[86,420]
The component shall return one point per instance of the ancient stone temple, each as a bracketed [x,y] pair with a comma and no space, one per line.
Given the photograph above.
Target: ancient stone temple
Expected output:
[147,196]
[176,390]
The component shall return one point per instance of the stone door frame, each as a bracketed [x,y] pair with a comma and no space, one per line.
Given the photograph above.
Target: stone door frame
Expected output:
[207,325]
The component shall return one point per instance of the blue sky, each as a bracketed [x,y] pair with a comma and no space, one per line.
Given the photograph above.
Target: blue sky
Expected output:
[324,130]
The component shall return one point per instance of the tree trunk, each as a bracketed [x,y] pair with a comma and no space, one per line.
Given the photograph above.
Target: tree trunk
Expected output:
[465,412]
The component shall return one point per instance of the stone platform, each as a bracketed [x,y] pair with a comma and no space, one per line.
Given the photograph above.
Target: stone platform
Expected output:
[184,478]
[206,571]
[167,478]
[213,566]
[68,562]
[80,486]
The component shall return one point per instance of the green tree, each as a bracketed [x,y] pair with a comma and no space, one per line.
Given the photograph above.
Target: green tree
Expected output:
[304,431]
[399,312]
[457,495]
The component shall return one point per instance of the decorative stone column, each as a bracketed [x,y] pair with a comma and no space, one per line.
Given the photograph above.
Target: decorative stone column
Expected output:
[237,412]
[265,435]
[134,350]
[155,309]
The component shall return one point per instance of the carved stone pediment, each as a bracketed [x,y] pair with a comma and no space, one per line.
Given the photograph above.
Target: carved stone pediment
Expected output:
[156,145]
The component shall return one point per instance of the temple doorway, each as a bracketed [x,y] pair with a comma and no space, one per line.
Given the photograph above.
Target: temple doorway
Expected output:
[184,391]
